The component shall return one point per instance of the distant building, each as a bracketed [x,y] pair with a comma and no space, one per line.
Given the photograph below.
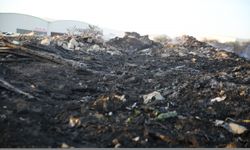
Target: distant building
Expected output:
[21,23]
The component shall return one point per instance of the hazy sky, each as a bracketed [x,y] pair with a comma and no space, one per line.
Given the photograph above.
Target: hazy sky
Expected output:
[172,17]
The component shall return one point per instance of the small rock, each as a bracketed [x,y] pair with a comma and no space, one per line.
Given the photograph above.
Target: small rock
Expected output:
[152,96]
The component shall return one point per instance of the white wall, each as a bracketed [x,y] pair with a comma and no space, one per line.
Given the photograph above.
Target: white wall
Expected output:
[9,22]
[61,26]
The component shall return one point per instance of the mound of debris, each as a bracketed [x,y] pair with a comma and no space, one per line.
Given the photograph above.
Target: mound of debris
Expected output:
[132,92]
[133,41]
[188,45]
[191,42]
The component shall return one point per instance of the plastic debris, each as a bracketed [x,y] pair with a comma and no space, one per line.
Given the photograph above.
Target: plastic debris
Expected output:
[152,96]
[218,99]
[231,127]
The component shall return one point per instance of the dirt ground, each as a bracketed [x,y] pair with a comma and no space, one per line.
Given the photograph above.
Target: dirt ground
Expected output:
[78,108]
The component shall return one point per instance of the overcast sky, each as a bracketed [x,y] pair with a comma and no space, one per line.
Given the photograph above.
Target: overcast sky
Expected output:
[172,17]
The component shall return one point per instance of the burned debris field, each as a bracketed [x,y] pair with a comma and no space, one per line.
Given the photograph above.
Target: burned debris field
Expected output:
[127,92]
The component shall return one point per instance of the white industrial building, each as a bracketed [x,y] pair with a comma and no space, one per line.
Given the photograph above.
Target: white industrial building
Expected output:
[21,23]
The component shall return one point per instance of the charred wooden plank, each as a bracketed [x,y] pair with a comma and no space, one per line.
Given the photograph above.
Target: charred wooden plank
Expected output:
[48,56]
[10,87]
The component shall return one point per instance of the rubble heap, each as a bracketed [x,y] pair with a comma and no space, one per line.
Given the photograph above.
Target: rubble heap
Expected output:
[133,41]
[128,92]
[191,42]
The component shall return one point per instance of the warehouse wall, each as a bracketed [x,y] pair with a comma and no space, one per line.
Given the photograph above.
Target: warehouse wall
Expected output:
[13,22]
[21,23]
[10,22]
[61,26]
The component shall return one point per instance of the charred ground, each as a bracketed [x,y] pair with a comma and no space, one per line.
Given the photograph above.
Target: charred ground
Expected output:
[102,104]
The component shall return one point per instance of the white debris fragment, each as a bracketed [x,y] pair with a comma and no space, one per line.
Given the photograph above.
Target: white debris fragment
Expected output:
[95,47]
[218,99]
[134,105]
[110,113]
[73,43]
[152,96]
[219,122]
[118,145]
[30,34]
[114,52]
[136,139]
[77,48]
[16,42]
[231,127]
[121,98]
[236,129]
[74,121]
[64,145]
[45,41]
